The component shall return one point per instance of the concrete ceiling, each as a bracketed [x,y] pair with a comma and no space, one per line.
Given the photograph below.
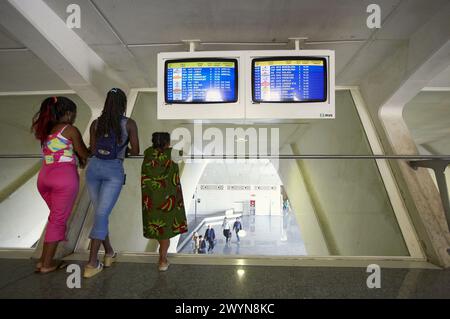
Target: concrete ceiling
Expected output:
[127,35]
[7,41]
[23,71]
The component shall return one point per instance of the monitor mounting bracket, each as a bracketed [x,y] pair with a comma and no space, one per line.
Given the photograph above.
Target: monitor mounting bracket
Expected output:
[193,44]
[298,42]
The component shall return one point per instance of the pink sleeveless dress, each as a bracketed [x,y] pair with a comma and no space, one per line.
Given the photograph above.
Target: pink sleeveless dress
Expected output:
[58,183]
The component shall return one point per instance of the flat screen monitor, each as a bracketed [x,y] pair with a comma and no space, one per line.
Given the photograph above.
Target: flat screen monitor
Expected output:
[289,80]
[201,80]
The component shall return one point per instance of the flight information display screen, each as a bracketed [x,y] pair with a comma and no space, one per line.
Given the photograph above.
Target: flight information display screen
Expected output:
[289,80]
[201,81]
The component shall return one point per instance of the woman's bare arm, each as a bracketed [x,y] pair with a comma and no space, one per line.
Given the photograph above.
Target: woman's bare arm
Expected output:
[92,136]
[134,138]
[72,133]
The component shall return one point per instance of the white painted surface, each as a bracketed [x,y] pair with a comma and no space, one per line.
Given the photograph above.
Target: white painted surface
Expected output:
[302,207]
[23,217]
[348,196]
[393,191]
[219,200]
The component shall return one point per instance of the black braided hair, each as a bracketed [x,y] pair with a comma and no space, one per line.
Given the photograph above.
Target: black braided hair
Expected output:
[115,106]
[160,140]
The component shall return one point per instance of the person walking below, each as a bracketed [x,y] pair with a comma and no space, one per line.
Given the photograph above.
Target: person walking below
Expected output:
[210,237]
[202,248]
[226,230]
[163,213]
[237,226]
[110,136]
[58,180]
[195,243]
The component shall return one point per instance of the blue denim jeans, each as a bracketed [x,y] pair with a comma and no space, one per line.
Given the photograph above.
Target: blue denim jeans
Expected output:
[104,181]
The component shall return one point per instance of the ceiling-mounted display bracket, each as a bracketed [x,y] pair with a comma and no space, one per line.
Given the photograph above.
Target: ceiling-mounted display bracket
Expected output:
[298,42]
[192,44]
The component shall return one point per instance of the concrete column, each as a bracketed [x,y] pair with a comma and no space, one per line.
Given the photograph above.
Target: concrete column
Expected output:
[386,90]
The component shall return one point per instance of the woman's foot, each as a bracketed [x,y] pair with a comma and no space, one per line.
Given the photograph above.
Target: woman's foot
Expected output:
[109,259]
[163,265]
[54,267]
[90,271]
[38,267]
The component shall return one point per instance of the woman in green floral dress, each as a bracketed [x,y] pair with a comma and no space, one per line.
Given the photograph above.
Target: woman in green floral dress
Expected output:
[163,212]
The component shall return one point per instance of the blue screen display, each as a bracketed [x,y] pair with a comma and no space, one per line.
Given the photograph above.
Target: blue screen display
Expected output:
[289,80]
[205,81]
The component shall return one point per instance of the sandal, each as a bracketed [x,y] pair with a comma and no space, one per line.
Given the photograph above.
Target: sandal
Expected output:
[58,266]
[90,271]
[163,267]
[109,260]
[38,267]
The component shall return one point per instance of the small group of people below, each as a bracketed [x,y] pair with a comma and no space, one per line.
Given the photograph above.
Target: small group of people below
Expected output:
[199,242]
[112,137]
[227,229]
[205,244]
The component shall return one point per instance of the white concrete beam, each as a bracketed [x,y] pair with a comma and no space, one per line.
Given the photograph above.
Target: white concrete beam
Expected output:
[386,90]
[41,30]
[408,70]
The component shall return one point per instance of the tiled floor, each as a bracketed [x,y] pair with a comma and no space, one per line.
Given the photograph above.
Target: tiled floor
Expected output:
[265,235]
[137,280]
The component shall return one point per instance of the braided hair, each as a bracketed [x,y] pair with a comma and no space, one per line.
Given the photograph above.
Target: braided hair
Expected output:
[115,106]
[160,140]
[51,112]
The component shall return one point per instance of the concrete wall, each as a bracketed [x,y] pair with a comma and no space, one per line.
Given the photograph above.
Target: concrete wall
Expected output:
[217,201]
[348,196]
[386,90]
[302,206]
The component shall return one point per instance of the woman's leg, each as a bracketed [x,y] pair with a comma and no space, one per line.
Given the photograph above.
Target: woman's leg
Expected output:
[44,191]
[47,256]
[65,183]
[163,248]
[94,184]
[109,192]
[93,254]
[108,248]
[41,259]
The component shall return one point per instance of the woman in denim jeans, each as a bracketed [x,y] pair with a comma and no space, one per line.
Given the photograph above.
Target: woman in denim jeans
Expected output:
[105,174]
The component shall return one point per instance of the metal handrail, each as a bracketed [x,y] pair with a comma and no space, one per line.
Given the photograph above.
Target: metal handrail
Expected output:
[438,163]
[280,156]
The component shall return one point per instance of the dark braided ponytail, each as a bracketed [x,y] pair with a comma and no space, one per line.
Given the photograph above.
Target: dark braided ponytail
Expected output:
[115,106]
[160,140]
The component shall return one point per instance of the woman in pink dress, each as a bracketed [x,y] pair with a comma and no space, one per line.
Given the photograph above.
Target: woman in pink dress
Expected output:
[58,179]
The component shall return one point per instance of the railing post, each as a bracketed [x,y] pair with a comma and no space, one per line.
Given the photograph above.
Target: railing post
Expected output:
[438,167]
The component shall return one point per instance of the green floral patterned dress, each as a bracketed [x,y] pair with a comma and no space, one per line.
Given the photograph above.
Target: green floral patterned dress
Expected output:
[163,212]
